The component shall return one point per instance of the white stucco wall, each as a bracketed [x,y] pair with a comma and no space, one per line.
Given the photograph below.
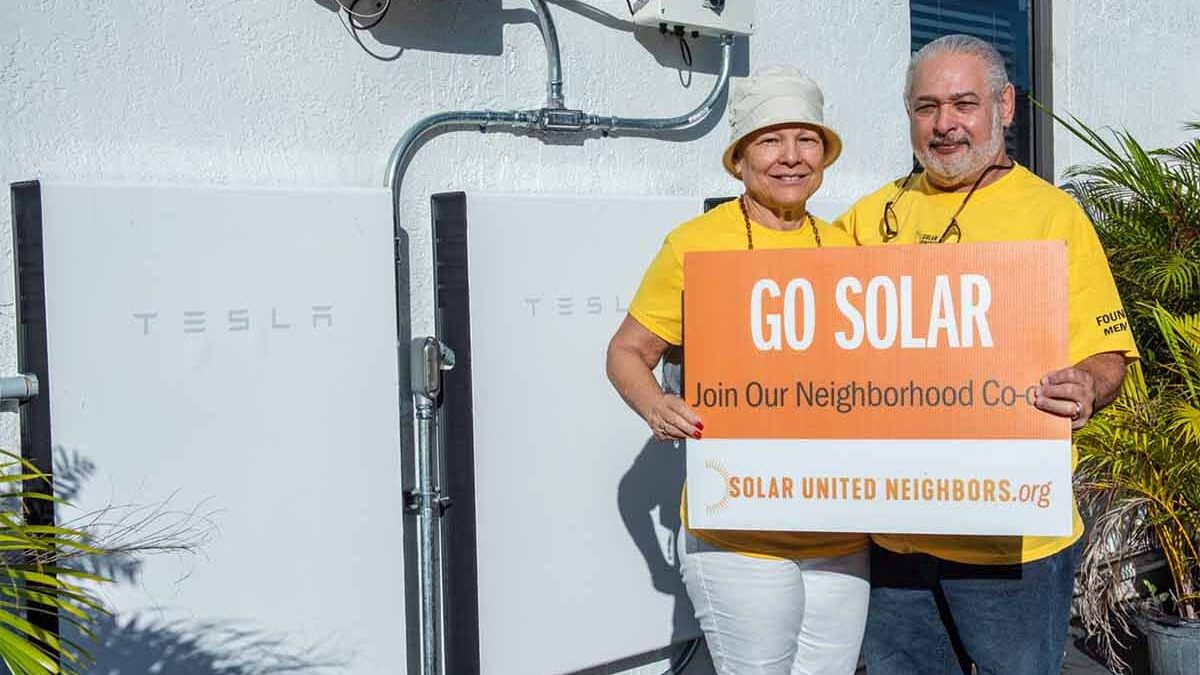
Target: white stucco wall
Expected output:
[277,93]
[1126,64]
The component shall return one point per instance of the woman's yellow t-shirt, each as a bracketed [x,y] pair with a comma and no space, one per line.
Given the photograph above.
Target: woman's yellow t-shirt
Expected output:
[658,306]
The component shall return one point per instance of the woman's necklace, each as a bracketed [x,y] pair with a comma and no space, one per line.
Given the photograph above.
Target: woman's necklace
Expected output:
[750,236]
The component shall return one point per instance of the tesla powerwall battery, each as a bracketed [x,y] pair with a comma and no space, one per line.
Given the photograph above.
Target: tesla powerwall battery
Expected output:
[560,549]
[559,542]
[230,354]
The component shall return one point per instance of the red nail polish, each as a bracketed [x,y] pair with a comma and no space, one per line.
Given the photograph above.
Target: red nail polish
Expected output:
[696,434]
[700,426]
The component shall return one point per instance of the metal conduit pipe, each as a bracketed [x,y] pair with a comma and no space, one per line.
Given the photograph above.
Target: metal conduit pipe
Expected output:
[545,120]
[407,143]
[553,118]
[554,78]
[431,648]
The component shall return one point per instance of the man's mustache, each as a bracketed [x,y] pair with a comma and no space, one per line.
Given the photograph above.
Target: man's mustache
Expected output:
[938,141]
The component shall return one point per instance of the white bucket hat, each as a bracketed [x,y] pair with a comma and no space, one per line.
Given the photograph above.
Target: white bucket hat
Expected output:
[777,95]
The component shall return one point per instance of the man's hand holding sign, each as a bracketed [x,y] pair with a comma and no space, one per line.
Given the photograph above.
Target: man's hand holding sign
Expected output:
[873,390]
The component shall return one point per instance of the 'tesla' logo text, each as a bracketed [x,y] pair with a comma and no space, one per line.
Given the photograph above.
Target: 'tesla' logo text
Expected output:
[318,317]
[571,305]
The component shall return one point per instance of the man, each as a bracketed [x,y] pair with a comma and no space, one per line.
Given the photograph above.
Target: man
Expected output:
[1001,603]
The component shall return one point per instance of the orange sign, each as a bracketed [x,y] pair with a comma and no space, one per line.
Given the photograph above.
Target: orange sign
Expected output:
[897,342]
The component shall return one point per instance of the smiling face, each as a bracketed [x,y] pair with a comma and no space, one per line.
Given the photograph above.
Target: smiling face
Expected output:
[955,120]
[781,166]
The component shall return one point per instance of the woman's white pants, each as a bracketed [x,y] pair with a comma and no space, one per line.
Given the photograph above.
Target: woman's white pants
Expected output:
[777,617]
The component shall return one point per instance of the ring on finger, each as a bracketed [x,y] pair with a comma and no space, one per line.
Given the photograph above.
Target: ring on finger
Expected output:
[1078,410]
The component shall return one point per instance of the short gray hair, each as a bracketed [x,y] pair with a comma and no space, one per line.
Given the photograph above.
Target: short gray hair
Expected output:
[993,63]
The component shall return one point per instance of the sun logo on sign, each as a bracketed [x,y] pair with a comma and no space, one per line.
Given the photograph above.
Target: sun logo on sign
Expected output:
[716,466]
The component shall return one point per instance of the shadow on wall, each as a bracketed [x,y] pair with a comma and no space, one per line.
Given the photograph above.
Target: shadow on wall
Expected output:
[650,491]
[143,643]
[654,483]
[457,27]
[477,27]
[72,471]
[140,646]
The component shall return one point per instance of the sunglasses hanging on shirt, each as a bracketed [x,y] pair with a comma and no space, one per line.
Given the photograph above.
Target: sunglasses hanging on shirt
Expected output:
[889,225]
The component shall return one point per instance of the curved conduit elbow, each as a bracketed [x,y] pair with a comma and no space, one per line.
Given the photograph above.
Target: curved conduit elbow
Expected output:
[683,121]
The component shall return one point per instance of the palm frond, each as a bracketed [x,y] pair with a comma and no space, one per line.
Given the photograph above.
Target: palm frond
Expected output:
[33,582]
[1139,459]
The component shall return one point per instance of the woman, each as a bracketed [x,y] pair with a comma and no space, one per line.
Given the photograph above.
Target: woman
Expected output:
[768,602]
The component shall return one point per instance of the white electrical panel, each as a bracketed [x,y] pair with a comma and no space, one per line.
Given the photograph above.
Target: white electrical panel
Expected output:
[231,353]
[706,17]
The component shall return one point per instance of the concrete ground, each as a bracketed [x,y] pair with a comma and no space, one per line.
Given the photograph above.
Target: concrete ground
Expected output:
[1077,662]
[1080,662]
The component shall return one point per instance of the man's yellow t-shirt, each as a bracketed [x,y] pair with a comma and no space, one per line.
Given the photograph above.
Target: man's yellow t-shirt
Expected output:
[658,306]
[1018,206]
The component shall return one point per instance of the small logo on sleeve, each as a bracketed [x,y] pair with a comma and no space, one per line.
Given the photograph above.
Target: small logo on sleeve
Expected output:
[1113,322]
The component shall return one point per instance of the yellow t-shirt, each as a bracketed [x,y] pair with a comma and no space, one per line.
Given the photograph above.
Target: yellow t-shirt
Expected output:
[658,306]
[1017,207]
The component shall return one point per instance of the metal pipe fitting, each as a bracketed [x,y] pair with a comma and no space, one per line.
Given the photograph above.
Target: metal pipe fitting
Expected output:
[554,77]
[18,388]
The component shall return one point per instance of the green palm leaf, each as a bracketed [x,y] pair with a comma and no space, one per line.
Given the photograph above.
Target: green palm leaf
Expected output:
[34,581]
[1139,459]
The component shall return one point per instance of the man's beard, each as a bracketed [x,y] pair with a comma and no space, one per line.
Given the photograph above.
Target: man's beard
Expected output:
[955,170]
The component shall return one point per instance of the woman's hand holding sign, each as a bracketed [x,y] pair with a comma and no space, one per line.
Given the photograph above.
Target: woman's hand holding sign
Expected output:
[672,419]
[633,354]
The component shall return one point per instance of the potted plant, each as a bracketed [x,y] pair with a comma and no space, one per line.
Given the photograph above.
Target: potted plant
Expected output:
[1139,460]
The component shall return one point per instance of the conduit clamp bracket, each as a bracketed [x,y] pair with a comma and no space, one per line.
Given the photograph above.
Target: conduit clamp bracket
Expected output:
[429,357]
[413,501]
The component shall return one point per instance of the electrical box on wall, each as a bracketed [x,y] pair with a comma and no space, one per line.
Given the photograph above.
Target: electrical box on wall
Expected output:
[706,17]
